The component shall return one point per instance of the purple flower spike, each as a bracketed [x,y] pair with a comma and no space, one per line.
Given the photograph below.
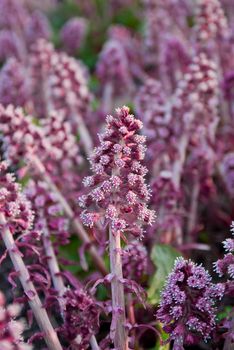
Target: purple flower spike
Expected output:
[118,174]
[187,307]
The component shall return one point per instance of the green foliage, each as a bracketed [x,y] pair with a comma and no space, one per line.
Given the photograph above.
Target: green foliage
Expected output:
[224,313]
[163,257]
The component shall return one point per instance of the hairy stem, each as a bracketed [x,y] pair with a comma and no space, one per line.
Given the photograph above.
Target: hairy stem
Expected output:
[118,332]
[81,233]
[39,312]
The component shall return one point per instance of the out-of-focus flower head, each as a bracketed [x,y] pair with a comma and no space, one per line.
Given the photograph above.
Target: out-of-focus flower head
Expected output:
[14,84]
[73,33]
[13,15]
[59,133]
[174,60]
[21,137]
[113,66]
[9,45]
[211,22]
[37,27]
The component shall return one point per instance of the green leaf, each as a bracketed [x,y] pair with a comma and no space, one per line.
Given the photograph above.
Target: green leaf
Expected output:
[163,257]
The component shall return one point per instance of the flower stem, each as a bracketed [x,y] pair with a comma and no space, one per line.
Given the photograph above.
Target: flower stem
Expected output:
[118,332]
[39,312]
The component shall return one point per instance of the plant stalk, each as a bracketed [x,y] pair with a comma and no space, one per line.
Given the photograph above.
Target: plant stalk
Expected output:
[39,312]
[117,332]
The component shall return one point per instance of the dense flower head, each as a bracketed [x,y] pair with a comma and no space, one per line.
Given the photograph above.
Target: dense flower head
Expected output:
[11,329]
[135,261]
[81,318]
[156,27]
[68,86]
[211,22]
[37,27]
[175,58]
[73,33]
[113,66]
[14,88]
[151,107]
[13,204]
[187,307]
[40,56]
[61,82]
[130,44]
[9,45]
[59,133]
[225,266]
[118,192]
[196,95]
[21,137]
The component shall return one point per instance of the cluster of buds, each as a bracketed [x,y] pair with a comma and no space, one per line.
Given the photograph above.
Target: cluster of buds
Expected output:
[119,194]
[11,329]
[73,33]
[187,308]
